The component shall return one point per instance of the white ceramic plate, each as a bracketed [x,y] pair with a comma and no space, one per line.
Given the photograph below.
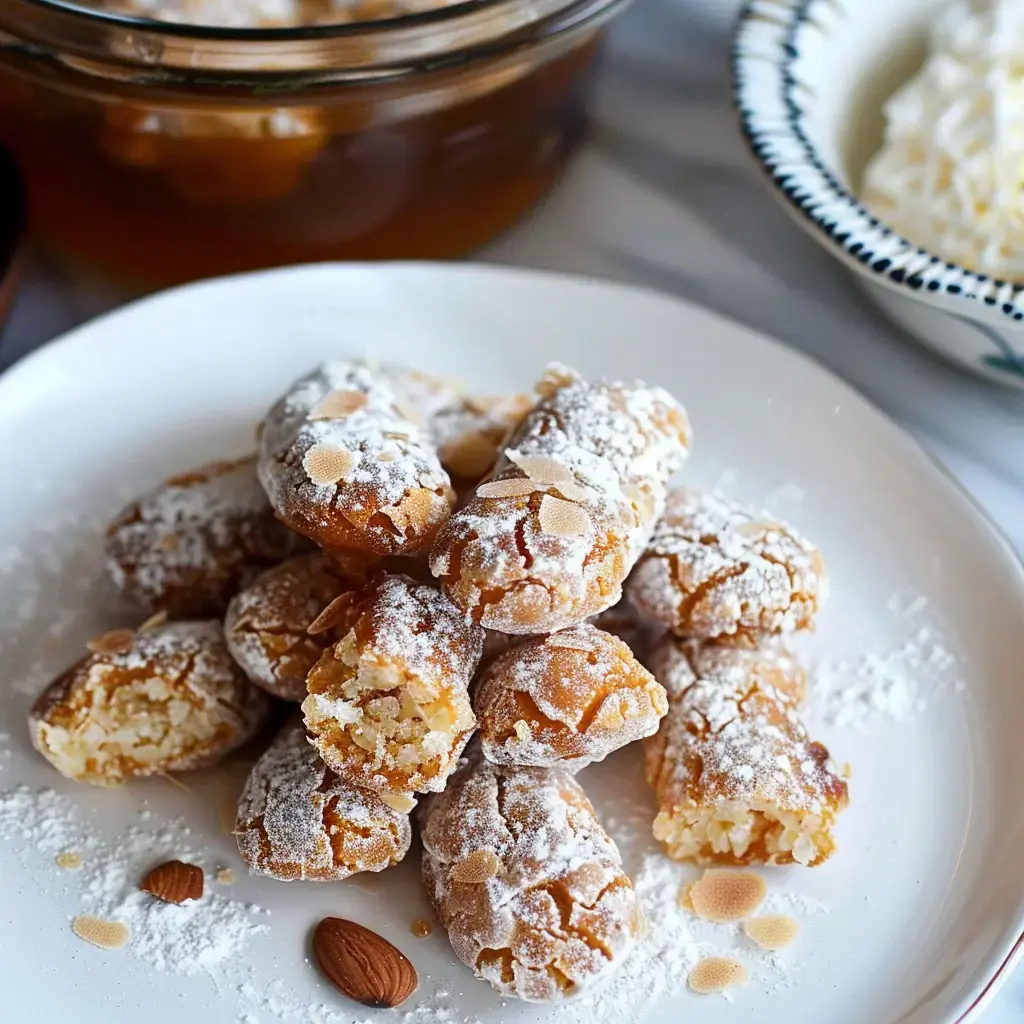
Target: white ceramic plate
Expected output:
[925,897]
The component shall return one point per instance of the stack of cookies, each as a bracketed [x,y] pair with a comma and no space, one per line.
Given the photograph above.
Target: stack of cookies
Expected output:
[434,583]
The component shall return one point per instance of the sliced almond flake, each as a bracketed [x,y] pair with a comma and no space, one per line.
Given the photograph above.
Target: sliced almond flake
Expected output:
[483,404]
[420,506]
[572,491]
[69,860]
[756,528]
[541,469]
[522,730]
[387,456]
[556,377]
[117,641]
[409,412]
[330,616]
[516,487]
[225,876]
[337,405]
[154,621]
[401,802]
[478,867]
[716,974]
[105,934]
[324,464]
[563,518]
[570,643]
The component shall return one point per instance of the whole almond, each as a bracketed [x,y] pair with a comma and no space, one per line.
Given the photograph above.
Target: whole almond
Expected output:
[363,965]
[174,882]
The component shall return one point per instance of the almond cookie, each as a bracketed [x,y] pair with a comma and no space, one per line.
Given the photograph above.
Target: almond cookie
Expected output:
[388,705]
[737,778]
[469,435]
[344,462]
[298,820]
[716,571]
[526,881]
[548,542]
[187,546]
[566,700]
[168,698]
[267,623]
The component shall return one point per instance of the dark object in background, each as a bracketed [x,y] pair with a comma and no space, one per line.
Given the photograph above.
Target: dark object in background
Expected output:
[12,231]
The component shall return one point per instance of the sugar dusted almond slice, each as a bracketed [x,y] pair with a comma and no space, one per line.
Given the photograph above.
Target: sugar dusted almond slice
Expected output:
[98,932]
[516,487]
[572,491]
[757,528]
[556,377]
[337,405]
[117,641]
[570,643]
[325,464]
[771,932]
[330,616]
[724,895]
[563,518]
[716,974]
[419,507]
[478,867]
[154,621]
[541,469]
[401,802]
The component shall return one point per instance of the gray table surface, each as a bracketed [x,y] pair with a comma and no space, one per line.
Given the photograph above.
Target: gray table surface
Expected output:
[665,195]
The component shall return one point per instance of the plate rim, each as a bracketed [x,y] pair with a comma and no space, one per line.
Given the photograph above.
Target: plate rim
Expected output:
[974,998]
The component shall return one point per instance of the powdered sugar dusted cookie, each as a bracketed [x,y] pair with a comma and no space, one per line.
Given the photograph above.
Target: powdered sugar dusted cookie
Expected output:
[298,820]
[548,541]
[345,462]
[188,545]
[566,700]
[716,571]
[469,434]
[267,623]
[526,881]
[388,704]
[168,698]
[737,778]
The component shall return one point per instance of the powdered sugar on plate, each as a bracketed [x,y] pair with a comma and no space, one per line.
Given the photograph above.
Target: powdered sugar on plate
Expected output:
[189,939]
[896,683]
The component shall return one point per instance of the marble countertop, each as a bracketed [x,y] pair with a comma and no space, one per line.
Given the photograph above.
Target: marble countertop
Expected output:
[664,195]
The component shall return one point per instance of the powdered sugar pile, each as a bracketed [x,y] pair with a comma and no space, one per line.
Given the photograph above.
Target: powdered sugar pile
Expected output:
[894,684]
[188,939]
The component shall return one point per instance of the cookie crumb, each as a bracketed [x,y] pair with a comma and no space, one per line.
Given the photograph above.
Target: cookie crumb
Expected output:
[421,928]
[69,860]
[225,876]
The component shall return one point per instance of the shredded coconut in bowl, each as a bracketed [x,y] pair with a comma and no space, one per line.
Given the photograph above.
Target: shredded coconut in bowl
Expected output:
[949,174]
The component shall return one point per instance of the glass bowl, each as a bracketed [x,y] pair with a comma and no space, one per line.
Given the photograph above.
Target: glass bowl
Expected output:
[165,152]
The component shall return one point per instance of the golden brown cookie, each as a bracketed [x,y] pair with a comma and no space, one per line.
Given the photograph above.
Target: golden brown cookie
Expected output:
[526,881]
[716,571]
[737,778]
[547,542]
[298,820]
[565,700]
[345,462]
[168,698]
[388,704]
[469,434]
[267,622]
[187,546]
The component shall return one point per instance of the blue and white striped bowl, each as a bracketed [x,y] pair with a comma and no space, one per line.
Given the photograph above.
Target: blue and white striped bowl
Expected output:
[809,81]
